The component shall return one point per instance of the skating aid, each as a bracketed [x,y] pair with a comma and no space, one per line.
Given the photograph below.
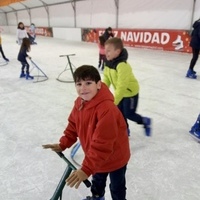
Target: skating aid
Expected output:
[41,74]
[58,192]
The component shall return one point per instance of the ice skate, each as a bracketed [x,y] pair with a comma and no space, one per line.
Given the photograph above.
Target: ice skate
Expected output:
[22,75]
[29,77]
[191,74]
[147,125]
[195,134]
[195,130]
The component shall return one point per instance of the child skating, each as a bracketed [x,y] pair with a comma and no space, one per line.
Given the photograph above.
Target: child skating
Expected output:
[119,74]
[102,132]
[23,56]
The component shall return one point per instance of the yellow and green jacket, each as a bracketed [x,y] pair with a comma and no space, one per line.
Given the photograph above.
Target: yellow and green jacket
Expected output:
[119,74]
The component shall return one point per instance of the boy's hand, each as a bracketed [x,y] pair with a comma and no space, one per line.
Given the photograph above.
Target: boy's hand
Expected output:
[76,178]
[53,147]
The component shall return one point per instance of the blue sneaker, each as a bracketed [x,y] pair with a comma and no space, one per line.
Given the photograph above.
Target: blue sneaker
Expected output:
[22,75]
[191,74]
[94,198]
[147,125]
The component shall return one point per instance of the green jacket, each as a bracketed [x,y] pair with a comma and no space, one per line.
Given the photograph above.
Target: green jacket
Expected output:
[119,74]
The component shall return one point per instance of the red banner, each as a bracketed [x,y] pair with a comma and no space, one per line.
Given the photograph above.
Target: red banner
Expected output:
[169,40]
[44,31]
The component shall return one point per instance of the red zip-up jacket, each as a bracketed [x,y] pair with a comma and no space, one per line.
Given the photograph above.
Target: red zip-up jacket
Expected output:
[102,132]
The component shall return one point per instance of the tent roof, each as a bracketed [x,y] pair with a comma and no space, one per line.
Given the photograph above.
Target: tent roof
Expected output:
[29,4]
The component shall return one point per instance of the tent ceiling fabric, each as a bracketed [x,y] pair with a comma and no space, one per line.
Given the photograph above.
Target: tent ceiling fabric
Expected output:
[10,5]
[8,2]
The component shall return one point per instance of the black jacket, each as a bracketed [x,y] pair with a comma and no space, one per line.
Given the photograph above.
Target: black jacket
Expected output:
[106,35]
[195,37]
[22,55]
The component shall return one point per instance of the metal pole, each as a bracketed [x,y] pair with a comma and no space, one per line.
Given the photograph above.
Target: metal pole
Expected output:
[192,17]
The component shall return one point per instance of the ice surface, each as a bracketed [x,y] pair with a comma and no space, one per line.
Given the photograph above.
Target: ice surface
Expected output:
[163,167]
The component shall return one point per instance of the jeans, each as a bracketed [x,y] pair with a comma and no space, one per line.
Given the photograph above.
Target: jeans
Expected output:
[117,184]
[128,106]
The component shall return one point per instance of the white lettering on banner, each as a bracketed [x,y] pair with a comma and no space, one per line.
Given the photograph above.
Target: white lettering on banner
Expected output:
[39,31]
[145,37]
[115,33]
[165,37]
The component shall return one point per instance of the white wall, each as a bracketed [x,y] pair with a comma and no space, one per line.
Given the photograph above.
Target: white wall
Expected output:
[155,14]
[39,17]
[96,13]
[12,20]
[2,19]
[73,34]
[197,10]
[62,15]
[24,17]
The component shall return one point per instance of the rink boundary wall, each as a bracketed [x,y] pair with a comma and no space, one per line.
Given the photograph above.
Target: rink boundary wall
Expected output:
[167,40]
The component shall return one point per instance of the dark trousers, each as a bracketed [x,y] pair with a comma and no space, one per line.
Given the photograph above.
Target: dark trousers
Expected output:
[128,106]
[195,55]
[2,53]
[117,184]
[102,59]
[25,66]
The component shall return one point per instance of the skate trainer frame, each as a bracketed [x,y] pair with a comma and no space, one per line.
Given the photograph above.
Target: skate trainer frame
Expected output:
[58,192]
[70,67]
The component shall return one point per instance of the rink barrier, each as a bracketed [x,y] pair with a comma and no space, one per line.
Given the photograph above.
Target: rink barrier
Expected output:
[70,67]
[70,167]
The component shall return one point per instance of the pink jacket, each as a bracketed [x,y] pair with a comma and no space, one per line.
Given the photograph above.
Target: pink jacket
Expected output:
[101,49]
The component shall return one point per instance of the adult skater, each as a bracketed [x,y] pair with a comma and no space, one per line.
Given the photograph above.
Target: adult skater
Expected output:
[195,44]
[108,33]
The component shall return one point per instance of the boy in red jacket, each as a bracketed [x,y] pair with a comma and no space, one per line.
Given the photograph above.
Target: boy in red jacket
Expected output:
[102,132]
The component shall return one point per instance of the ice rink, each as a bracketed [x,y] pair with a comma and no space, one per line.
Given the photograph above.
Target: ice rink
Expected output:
[165,166]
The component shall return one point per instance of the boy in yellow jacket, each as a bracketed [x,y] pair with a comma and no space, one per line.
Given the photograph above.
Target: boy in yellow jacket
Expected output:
[118,73]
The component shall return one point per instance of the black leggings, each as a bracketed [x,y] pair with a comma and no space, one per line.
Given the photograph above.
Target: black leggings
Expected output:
[195,56]
[2,53]
[25,65]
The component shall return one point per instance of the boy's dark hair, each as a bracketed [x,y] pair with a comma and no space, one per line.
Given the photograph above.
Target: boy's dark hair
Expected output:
[102,40]
[26,44]
[109,29]
[86,72]
[116,42]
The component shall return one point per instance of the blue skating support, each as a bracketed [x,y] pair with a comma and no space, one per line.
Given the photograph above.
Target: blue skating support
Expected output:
[43,76]
[73,152]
